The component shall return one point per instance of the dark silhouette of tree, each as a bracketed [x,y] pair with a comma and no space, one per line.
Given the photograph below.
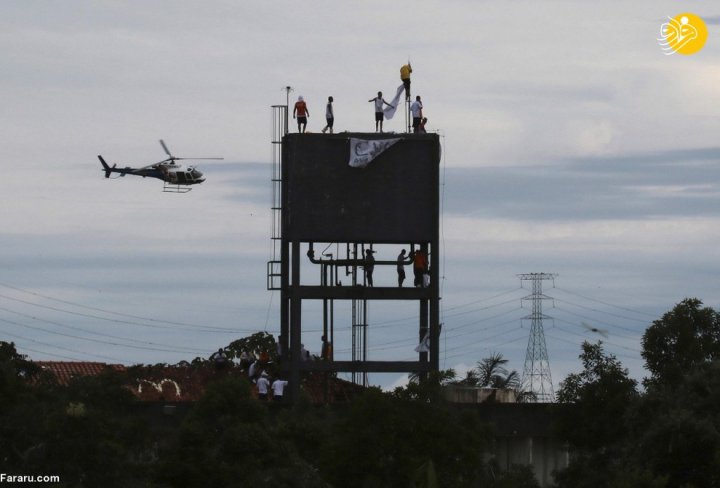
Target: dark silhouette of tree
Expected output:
[591,417]
[429,389]
[390,440]
[230,439]
[491,373]
[256,344]
[685,337]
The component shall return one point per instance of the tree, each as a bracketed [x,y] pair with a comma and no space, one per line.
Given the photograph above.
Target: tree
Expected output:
[230,439]
[591,417]
[256,343]
[386,440]
[492,373]
[15,370]
[87,432]
[428,389]
[685,337]
[675,429]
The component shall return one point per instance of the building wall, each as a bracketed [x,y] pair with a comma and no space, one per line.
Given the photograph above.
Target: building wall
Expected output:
[523,432]
[393,199]
[545,455]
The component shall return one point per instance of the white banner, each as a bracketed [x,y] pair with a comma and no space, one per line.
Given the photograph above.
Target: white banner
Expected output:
[390,111]
[424,345]
[362,151]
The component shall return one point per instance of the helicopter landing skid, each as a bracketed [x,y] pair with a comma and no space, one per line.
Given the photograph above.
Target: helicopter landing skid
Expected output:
[169,188]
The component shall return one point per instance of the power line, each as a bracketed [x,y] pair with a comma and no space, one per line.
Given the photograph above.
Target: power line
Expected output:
[607,303]
[101,334]
[55,346]
[119,321]
[480,300]
[92,340]
[604,341]
[627,329]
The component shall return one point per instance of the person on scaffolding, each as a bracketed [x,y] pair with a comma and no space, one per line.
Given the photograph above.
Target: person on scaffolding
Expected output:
[405,71]
[369,266]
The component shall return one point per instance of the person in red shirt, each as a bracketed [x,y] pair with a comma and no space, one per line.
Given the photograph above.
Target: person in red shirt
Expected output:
[419,266]
[302,113]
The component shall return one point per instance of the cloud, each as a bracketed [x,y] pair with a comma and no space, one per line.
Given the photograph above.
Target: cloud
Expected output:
[668,184]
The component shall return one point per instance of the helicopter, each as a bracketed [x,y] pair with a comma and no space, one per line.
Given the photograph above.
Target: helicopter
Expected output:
[597,330]
[176,178]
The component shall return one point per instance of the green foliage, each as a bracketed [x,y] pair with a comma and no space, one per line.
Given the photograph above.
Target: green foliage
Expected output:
[669,436]
[491,372]
[685,337]
[87,432]
[517,476]
[256,343]
[677,428]
[591,412]
[384,440]
[429,389]
[94,433]
[14,371]
[228,439]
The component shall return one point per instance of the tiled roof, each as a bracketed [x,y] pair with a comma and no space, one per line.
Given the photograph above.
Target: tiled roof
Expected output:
[172,383]
[187,383]
[64,371]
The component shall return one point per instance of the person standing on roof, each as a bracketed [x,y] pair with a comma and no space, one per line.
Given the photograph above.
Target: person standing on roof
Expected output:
[421,128]
[302,113]
[416,109]
[405,71]
[379,115]
[329,116]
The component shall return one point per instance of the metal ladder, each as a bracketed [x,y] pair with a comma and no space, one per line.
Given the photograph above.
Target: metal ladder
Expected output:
[279,130]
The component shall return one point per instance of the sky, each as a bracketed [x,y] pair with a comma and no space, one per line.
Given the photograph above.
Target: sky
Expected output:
[572,145]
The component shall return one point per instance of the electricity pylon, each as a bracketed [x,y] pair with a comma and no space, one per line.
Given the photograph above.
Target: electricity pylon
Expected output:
[536,380]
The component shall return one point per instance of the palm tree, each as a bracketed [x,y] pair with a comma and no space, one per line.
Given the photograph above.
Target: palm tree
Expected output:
[491,373]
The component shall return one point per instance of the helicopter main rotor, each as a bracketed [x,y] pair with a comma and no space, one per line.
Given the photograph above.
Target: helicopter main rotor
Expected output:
[171,159]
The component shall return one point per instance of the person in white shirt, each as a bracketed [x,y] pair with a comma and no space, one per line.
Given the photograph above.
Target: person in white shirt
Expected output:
[262,385]
[329,116]
[379,114]
[416,109]
[278,387]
